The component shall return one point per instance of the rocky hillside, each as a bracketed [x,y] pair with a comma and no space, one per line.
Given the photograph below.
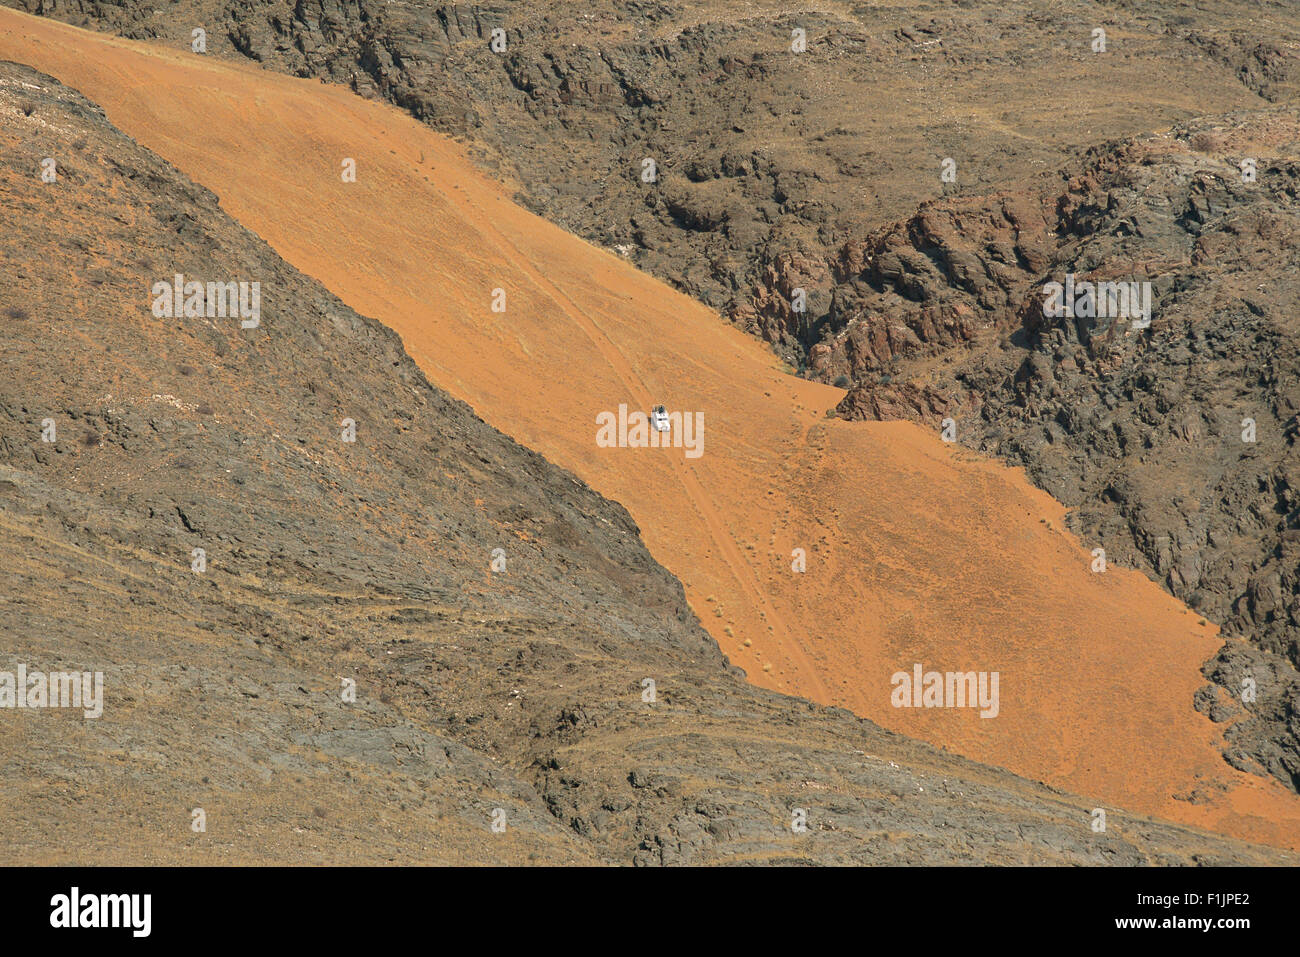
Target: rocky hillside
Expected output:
[821,169]
[1176,444]
[776,133]
[511,680]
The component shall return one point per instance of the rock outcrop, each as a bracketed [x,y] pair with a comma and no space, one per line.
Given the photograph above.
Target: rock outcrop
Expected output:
[482,694]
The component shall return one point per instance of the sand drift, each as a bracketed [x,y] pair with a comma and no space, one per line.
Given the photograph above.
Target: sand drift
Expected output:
[914,554]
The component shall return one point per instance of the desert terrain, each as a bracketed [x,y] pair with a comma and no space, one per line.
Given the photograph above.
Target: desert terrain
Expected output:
[916,551]
[822,549]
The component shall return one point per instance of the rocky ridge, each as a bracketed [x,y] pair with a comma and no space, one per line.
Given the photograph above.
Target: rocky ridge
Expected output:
[519,688]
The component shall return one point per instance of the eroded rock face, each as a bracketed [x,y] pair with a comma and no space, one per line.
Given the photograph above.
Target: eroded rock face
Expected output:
[819,173]
[1176,443]
[767,161]
[371,560]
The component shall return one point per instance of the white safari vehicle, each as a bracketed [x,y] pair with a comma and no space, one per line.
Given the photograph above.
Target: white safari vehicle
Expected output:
[659,419]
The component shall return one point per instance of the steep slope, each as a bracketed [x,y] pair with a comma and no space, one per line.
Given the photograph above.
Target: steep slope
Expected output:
[519,688]
[767,159]
[780,171]
[1177,444]
[915,552]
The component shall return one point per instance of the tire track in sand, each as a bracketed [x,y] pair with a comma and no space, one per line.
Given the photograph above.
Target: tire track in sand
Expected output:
[738,566]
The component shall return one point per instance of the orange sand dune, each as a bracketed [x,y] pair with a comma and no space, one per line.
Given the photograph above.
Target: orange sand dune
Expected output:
[916,551]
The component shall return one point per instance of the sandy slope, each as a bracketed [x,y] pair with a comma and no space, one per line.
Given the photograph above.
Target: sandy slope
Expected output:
[916,552]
